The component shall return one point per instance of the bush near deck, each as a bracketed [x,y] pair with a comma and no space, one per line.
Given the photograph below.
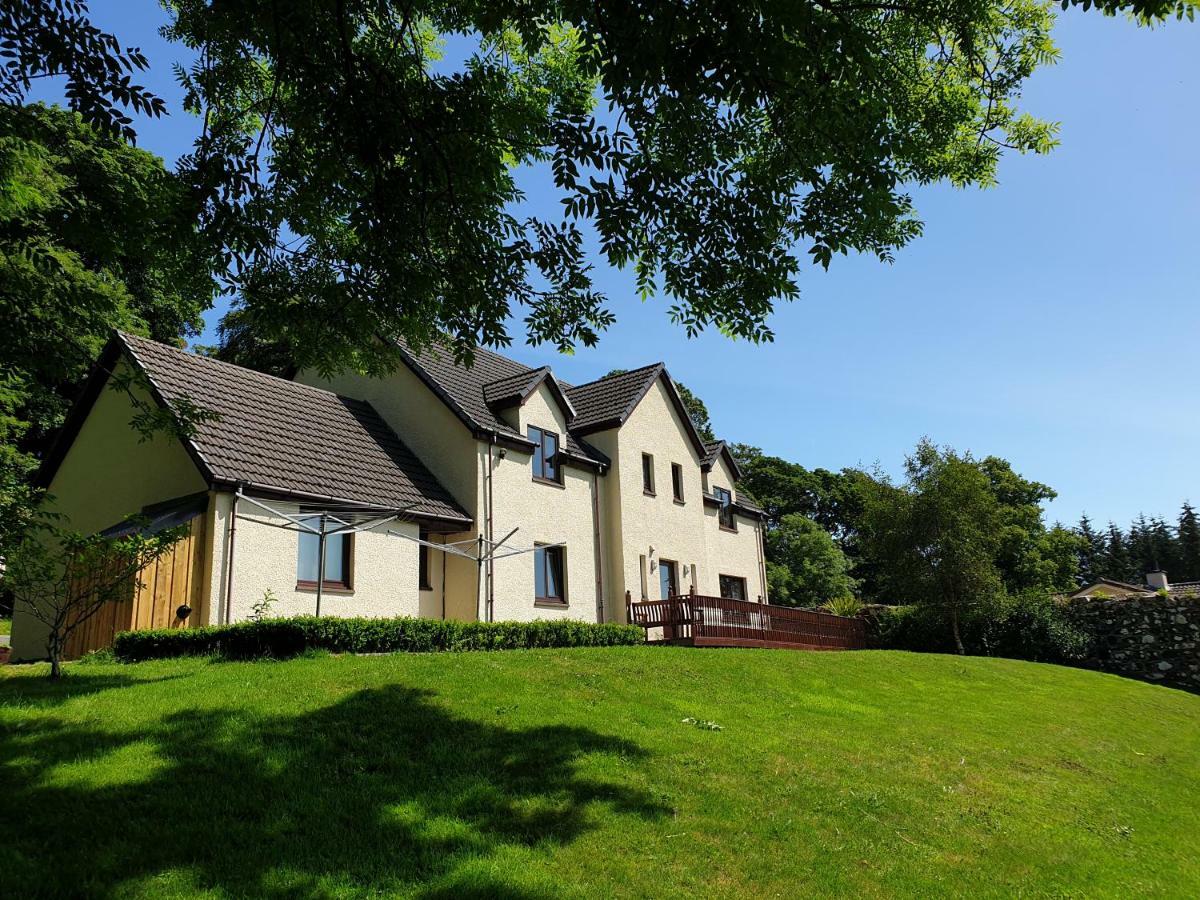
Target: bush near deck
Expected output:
[282,638]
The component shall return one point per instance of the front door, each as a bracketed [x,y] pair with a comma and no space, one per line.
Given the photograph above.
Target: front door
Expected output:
[668,578]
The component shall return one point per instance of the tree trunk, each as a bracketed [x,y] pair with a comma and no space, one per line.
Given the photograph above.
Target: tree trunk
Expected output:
[958,644]
[55,664]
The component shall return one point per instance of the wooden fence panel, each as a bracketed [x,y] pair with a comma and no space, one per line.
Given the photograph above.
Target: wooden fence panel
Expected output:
[153,596]
[719,621]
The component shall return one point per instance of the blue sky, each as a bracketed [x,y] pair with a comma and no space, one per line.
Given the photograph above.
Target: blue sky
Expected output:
[1051,320]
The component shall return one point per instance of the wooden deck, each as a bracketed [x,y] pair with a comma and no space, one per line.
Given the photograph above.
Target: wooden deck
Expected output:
[719,622]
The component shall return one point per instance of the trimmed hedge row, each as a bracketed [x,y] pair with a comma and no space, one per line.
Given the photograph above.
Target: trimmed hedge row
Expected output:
[282,638]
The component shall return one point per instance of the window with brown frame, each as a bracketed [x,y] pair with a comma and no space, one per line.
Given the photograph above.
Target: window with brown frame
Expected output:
[668,578]
[725,515]
[338,560]
[648,474]
[549,575]
[545,455]
[733,587]
[423,582]
[677,482]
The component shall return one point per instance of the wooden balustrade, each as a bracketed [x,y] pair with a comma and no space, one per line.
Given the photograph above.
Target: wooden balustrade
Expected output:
[720,622]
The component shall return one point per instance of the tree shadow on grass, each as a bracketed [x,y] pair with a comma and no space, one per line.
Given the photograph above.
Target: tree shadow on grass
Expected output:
[43,692]
[383,792]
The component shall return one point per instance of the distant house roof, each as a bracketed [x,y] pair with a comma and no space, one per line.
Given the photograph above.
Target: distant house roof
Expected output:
[1120,590]
[277,435]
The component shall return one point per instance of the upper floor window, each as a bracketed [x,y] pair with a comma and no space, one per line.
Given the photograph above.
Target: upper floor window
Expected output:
[725,516]
[677,482]
[337,558]
[549,575]
[545,455]
[648,474]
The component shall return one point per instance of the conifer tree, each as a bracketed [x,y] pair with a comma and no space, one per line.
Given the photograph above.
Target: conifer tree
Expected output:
[1116,555]
[1091,553]
[1189,544]
[1164,550]
[1141,549]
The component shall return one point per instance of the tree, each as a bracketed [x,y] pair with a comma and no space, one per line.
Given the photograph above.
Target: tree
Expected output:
[1091,551]
[357,183]
[804,565]
[360,184]
[44,38]
[62,578]
[1029,555]
[1117,563]
[783,488]
[94,235]
[1189,544]
[937,535]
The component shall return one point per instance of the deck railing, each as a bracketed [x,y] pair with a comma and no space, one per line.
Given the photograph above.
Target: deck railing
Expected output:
[721,622]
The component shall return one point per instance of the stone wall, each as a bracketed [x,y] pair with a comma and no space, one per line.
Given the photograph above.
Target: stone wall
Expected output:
[1154,639]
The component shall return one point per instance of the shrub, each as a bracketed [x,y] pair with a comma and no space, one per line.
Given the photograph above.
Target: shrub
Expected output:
[283,638]
[1030,626]
[843,606]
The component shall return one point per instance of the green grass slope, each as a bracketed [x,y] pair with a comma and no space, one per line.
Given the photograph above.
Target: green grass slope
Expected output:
[572,773]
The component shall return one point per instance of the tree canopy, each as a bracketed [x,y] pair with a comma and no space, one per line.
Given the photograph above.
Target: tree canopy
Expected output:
[356,170]
[94,235]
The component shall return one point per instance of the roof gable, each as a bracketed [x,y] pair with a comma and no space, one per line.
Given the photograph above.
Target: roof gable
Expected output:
[609,402]
[477,394]
[515,390]
[280,435]
[719,448]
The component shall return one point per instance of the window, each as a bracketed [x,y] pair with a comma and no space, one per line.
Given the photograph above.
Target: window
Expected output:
[725,516]
[677,482]
[423,579]
[549,583]
[733,588]
[337,559]
[648,474]
[668,578]
[545,455]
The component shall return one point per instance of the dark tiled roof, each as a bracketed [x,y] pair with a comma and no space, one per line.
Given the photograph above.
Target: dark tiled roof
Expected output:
[711,450]
[279,434]
[514,387]
[608,401]
[470,392]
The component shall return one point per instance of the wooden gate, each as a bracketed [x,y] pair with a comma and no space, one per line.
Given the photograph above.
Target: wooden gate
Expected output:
[153,597]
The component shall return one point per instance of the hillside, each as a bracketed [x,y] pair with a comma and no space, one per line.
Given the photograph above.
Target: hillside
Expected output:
[572,772]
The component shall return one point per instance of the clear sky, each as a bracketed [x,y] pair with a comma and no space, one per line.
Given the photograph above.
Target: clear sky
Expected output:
[1051,320]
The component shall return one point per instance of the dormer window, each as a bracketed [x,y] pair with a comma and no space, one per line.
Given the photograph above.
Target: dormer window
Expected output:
[545,455]
[725,516]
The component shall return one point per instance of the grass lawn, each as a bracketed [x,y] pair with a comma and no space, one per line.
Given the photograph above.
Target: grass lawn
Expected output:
[571,773]
[5,625]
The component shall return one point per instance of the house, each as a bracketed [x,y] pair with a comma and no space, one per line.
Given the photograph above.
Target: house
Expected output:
[1109,589]
[495,492]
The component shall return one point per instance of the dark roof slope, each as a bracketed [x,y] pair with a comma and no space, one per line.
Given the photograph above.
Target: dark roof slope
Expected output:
[278,434]
[471,392]
[713,449]
[608,401]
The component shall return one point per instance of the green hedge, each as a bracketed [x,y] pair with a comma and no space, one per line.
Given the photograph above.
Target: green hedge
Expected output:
[281,638]
[1030,625]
